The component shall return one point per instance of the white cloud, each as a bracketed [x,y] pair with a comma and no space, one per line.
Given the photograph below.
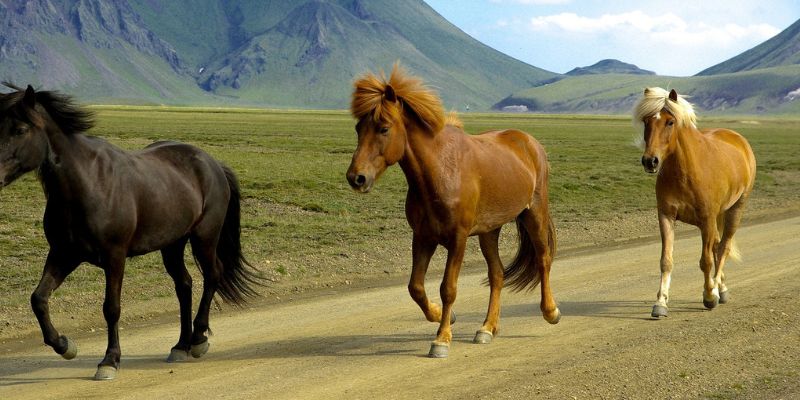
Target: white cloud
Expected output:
[662,29]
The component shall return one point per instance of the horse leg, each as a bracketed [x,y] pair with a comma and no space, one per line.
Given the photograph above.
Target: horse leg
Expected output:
[205,252]
[710,238]
[731,222]
[667,226]
[114,270]
[56,269]
[491,252]
[455,257]
[172,256]
[542,233]
[421,252]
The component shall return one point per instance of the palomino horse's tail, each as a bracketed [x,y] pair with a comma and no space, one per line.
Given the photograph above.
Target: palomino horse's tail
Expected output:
[238,276]
[524,272]
[735,254]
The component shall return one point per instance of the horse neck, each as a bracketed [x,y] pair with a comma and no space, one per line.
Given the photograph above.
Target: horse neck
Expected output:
[425,159]
[683,152]
[63,170]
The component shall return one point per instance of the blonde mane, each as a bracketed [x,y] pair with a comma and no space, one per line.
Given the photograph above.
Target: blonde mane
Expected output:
[369,99]
[656,99]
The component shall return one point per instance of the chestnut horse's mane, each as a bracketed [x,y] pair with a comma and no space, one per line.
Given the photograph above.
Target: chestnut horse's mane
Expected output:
[369,99]
[656,99]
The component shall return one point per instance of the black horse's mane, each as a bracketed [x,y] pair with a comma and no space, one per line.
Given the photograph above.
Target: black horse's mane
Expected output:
[70,117]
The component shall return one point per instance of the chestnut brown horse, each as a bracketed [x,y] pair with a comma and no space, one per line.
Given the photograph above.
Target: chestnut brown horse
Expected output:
[458,186]
[704,179]
[105,204]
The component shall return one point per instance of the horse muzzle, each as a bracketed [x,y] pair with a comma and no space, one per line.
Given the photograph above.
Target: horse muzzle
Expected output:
[650,164]
[360,182]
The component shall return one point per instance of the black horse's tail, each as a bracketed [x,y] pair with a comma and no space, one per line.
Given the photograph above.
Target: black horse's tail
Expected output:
[238,276]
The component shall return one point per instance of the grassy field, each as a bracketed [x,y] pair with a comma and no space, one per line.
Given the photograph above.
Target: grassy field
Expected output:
[303,227]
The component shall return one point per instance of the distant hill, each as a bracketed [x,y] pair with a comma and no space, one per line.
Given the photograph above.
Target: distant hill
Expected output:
[782,49]
[762,80]
[763,91]
[277,53]
[609,66]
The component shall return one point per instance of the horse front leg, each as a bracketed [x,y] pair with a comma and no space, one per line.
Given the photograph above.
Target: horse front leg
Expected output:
[667,227]
[421,252]
[114,271]
[710,238]
[455,257]
[56,269]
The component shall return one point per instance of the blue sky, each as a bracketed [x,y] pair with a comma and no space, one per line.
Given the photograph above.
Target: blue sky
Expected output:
[677,37]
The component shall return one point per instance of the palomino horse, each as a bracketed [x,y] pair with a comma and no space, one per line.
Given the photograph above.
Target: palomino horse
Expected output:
[105,204]
[458,186]
[704,179]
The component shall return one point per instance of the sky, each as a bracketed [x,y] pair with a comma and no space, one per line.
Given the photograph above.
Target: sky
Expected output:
[674,38]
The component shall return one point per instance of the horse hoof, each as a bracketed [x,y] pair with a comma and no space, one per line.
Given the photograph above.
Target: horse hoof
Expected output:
[659,311]
[710,304]
[483,337]
[439,350]
[198,350]
[178,355]
[72,349]
[554,320]
[105,373]
[723,297]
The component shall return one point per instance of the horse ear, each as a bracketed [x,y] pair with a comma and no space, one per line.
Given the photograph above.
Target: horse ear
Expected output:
[30,97]
[673,95]
[389,94]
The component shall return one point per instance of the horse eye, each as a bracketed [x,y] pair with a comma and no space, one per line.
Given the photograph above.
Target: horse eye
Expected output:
[20,130]
[384,129]
[670,123]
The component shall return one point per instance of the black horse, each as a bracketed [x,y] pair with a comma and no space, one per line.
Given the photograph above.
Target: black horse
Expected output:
[105,204]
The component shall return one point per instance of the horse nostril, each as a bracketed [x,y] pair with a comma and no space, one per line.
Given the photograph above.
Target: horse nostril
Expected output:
[361,180]
[655,162]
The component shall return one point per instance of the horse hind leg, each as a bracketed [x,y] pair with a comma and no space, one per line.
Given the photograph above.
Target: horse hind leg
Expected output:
[490,250]
[172,256]
[727,247]
[541,235]
[205,252]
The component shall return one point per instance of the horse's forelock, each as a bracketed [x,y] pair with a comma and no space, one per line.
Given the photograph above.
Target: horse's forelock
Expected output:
[656,100]
[368,99]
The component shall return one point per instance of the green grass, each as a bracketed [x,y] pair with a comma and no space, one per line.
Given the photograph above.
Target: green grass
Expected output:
[302,225]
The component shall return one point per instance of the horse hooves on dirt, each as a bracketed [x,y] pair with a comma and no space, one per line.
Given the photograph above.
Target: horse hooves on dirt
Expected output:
[710,304]
[723,297]
[105,373]
[659,311]
[554,320]
[72,349]
[439,350]
[178,355]
[483,337]
[198,350]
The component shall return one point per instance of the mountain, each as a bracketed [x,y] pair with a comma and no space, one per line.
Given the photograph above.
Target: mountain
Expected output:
[276,53]
[782,49]
[762,80]
[609,66]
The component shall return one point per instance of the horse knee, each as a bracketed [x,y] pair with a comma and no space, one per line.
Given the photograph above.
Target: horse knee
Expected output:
[416,291]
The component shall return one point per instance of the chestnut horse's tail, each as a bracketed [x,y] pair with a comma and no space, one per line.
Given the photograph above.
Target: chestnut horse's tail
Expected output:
[238,276]
[525,271]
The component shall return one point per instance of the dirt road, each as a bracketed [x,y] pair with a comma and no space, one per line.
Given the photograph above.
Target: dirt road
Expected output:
[371,343]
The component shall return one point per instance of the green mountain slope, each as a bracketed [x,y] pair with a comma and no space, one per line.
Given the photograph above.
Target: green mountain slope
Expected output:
[276,53]
[609,66]
[782,49]
[770,90]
